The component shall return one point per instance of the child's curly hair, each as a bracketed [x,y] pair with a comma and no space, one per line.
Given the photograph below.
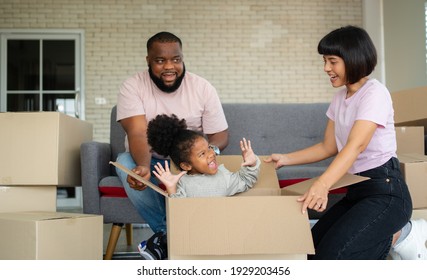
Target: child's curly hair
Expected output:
[169,136]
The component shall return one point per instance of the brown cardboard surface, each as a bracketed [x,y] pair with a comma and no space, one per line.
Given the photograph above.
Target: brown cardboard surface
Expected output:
[410,139]
[45,144]
[414,170]
[267,183]
[410,107]
[50,236]
[302,187]
[250,227]
[139,178]
[27,198]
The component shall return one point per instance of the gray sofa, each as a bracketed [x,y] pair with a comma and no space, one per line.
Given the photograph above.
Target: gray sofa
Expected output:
[278,128]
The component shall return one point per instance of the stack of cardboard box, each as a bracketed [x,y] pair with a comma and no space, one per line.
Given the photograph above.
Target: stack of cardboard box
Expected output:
[40,151]
[410,115]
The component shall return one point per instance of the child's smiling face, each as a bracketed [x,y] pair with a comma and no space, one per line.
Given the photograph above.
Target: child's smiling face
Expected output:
[202,158]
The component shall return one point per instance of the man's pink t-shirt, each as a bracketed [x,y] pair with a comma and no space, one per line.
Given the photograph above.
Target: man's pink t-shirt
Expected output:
[196,101]
[371,102]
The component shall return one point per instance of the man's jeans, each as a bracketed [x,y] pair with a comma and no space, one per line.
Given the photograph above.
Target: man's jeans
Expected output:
[362,224]
[149,203]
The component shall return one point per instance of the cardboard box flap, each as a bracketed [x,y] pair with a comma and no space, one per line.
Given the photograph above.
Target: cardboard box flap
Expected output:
[231,226]
[267,176]
[304,186]
[412,158]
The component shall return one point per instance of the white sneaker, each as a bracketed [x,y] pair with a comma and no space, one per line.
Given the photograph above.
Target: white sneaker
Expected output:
[413,247]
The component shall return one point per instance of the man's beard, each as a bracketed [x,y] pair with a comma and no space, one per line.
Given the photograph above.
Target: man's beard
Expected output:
[162,86]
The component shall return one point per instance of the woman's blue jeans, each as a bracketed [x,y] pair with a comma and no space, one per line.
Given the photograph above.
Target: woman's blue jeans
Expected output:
[149,203]
[362,224]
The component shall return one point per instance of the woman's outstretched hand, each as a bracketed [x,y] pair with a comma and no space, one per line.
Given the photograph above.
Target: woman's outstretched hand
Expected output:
[277,159]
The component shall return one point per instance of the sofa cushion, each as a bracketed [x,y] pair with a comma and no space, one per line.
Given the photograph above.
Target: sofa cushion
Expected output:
[278,128]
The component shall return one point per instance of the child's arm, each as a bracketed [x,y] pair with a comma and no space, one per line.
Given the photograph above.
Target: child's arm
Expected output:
[249,157]
[167,178]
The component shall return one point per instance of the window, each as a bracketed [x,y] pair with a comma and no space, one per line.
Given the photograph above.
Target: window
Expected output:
[42,71]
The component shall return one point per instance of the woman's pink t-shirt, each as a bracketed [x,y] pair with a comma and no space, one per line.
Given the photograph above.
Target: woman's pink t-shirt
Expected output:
[371,102]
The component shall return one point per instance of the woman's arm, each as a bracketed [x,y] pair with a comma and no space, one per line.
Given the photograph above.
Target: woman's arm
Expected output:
[325,149]
[360,136]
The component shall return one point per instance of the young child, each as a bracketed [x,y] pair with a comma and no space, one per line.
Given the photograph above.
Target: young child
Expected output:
[200,174]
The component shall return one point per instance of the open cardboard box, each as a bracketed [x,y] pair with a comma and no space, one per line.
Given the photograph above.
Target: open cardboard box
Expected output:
[262,223]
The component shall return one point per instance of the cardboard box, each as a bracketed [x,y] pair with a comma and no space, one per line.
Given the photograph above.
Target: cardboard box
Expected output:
[260,225]
[241,227]
[410,139]
[50,236]
[41,148]
[27,198]
[263,223]
[414,170]
[410,107]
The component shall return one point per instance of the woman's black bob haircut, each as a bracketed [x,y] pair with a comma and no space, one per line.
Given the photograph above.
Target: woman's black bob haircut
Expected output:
[355,47]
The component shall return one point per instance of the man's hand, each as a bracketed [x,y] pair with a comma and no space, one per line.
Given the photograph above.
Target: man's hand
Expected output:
[142,171]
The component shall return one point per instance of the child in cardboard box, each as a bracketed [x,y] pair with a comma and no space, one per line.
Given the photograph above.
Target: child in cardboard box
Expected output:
[200,175]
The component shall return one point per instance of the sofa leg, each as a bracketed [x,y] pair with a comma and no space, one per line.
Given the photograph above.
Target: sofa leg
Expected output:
[129,234]
[112,241]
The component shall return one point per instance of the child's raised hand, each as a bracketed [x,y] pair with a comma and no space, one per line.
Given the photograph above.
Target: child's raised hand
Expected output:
[249,157]
[166,177]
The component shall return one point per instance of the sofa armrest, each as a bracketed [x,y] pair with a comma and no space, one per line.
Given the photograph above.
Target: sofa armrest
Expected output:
[95,157]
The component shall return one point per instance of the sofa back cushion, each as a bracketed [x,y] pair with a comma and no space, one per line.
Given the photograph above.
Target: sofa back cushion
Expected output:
[275,128]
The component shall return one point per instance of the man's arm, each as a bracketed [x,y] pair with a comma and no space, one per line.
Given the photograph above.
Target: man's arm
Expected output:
[136,130]
[219,139]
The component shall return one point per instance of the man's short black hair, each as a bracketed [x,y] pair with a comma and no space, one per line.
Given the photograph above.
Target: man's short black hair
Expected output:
[163,37]
[355,47]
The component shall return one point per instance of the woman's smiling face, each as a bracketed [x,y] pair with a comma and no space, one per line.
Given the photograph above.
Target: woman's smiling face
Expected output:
[334,66]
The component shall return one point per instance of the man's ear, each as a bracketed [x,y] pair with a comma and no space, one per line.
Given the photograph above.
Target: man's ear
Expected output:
[146,59]
[185,166]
